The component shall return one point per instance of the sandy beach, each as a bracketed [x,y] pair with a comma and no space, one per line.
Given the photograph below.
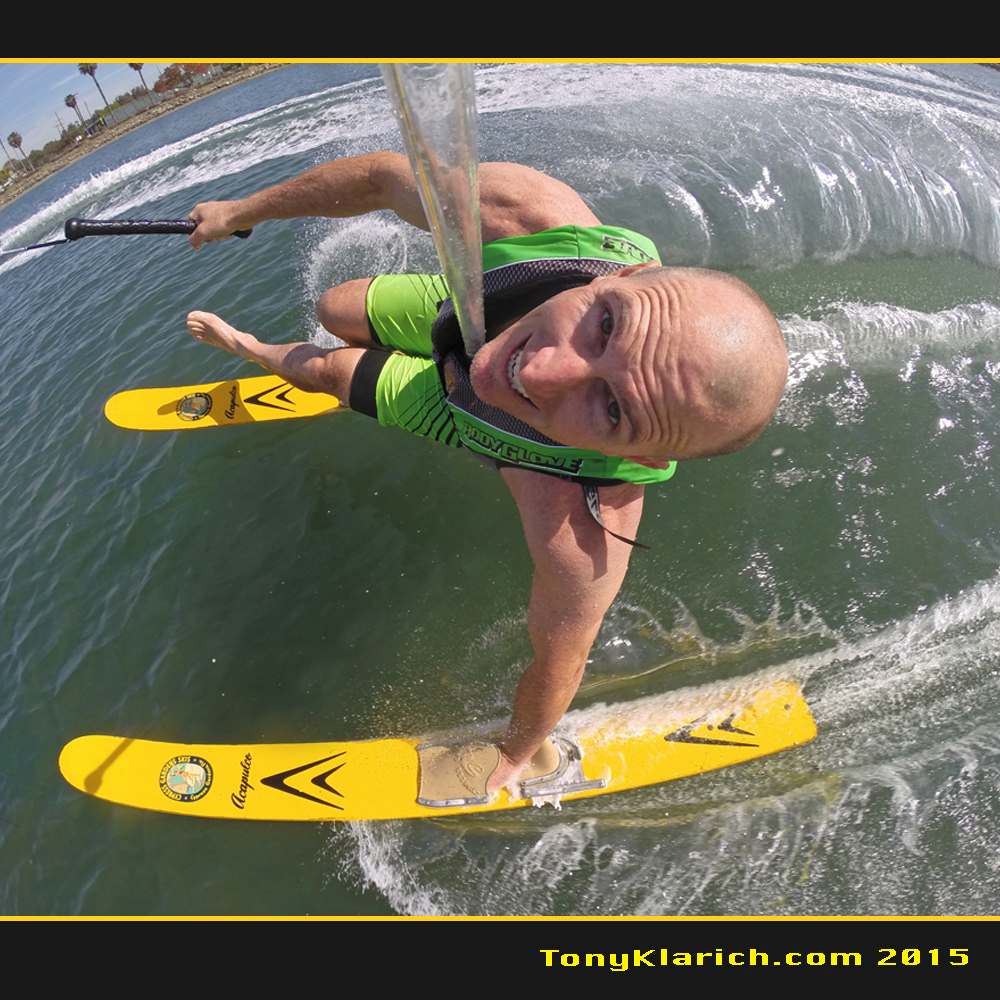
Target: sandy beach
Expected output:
[93,143]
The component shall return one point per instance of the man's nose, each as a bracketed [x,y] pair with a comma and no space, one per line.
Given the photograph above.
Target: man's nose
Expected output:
[552,371]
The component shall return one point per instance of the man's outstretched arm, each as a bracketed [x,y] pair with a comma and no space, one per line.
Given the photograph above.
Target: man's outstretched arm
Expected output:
[578,571]
[514,200]
[338,189]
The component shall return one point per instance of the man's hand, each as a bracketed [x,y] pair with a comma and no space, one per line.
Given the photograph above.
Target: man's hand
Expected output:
[217,220]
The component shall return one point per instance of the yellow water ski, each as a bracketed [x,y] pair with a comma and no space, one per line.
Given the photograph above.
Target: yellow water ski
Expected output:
[381,779]
[216,404]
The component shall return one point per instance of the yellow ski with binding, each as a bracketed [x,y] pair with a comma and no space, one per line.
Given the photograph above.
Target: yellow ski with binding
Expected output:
[216,404]
[389,779]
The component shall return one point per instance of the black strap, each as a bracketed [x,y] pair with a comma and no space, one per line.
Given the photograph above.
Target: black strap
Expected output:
[361,397]
[594,506]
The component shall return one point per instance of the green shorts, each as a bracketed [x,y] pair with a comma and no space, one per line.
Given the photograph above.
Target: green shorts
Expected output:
[402,309]
[403,388]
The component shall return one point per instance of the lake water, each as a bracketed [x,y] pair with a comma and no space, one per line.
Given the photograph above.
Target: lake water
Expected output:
[329,578]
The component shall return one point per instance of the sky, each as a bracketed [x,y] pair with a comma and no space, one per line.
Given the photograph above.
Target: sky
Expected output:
[32,94]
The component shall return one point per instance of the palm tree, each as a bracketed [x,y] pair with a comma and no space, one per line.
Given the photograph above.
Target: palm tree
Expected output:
[70,102]
[90,69]
[7,157]
[138,68]
[15,140]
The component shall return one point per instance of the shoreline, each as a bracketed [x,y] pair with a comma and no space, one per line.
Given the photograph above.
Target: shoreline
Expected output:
[94,143]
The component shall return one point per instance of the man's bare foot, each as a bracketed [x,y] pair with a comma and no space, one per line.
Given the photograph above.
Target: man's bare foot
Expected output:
[210,329]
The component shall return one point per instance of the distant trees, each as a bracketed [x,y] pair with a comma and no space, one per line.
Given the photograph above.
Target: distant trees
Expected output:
[171,77]
[135,94]
[138,68]
[178,75]
[15,140]
[8,173]
[70,102]
[90,69]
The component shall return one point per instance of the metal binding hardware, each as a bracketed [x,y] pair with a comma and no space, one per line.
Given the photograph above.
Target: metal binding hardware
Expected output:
[566,779]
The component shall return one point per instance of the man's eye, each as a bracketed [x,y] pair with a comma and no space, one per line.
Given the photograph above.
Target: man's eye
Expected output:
[613,412]
[607,325]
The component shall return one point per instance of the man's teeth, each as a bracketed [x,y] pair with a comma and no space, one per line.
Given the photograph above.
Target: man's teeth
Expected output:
[514,373]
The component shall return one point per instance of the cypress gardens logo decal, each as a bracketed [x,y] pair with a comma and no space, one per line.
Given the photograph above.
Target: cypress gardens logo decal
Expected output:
[186,778]
[194,406]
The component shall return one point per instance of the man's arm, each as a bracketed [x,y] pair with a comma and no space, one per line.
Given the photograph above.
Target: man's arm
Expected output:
[514,200]
[578,571]
[338,189]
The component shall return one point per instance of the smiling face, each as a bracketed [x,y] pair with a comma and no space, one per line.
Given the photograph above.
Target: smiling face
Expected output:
[647,363]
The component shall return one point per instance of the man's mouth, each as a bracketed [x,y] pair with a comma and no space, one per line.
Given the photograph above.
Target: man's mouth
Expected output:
[514,373]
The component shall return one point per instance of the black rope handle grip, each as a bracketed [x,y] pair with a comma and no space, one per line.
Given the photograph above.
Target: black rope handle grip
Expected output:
[76,229]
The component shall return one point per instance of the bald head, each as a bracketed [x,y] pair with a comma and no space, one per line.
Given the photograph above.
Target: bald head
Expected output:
[731,358]
[647,363]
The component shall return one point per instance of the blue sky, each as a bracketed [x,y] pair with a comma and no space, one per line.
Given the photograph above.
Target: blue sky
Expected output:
[33,93]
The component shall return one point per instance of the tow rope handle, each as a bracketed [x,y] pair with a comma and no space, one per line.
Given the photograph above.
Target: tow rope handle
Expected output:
[76,229]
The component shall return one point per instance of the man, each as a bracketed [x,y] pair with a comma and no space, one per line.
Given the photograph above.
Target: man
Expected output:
[595,351]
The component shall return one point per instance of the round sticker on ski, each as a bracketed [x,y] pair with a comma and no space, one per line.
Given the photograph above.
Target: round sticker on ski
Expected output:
[194,406]
[185,779]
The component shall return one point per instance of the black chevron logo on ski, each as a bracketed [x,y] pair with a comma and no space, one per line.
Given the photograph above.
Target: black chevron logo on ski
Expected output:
[281,392]
[277,781]
[683,735]
[320,780]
